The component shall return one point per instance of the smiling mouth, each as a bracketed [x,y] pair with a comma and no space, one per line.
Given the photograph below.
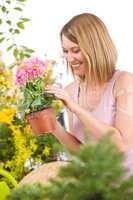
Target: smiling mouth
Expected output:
[76,65]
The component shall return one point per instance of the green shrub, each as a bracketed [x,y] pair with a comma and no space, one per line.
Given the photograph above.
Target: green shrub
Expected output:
[7,182]
[28,192]
[6,143]
[4,190]
[47,140]
[95,173]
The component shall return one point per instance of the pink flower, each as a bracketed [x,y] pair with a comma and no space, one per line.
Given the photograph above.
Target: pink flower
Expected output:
[30,69]
[21,77]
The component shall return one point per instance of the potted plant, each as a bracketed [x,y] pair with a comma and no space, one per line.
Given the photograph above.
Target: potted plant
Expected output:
[34,103]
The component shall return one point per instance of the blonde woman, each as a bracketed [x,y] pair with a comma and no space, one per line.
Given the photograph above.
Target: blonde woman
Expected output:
[100,100]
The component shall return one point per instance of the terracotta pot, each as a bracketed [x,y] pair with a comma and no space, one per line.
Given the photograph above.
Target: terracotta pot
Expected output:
[42,121]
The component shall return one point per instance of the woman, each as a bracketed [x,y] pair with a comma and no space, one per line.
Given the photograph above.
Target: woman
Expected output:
[100,100]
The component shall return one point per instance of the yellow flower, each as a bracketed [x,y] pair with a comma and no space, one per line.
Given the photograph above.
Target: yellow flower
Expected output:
[7,114]
[58,106]
[36,66]
[4,118]
[46,151]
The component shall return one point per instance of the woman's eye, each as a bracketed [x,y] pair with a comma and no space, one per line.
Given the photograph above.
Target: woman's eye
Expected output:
[65,51]
[76,51]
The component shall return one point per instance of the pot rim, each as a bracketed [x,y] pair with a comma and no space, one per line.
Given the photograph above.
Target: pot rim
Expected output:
[43,108]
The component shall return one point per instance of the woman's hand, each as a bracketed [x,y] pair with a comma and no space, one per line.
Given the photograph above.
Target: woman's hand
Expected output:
[62,95]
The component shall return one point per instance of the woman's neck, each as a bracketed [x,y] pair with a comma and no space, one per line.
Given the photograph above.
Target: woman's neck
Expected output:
[91,85]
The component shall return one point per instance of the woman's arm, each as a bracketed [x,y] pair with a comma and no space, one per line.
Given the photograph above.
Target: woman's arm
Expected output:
[65,138]
[95,126]
[91,124]
[124,115]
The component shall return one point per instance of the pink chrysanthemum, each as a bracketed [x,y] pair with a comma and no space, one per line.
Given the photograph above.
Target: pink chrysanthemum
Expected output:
[30,69]
[21,76]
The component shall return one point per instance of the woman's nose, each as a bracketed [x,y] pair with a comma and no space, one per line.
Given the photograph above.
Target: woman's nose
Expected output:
[70,57]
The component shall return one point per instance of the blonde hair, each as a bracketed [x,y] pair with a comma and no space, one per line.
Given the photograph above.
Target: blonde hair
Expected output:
[94,41]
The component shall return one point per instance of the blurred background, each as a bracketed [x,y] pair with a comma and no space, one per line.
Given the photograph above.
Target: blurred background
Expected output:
[48,17]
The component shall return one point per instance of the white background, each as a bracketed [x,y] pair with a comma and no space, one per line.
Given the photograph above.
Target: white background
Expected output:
[48,17]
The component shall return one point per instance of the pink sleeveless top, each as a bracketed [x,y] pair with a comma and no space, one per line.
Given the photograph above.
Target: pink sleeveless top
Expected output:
[104,112]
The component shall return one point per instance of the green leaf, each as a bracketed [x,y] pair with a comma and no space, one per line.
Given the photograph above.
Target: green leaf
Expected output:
[18,9]
[37,102]
[3,8]
[20,25]
[5,190]
[8,22]
[17,31]
[15,52]
[1,33]
[25,19]
[2,39]
[8,2]
[0,21]
[21,55]
[10,47]
[29,50]
[11,30]
[27,55]
[8,176]
[30,87]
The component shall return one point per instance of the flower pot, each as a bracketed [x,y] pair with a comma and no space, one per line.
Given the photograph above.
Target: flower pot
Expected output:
[42,121]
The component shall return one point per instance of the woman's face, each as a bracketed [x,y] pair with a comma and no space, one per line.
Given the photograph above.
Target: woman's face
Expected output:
[74,56]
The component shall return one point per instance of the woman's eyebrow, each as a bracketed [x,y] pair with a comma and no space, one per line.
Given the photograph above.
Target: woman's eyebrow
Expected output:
[74,47]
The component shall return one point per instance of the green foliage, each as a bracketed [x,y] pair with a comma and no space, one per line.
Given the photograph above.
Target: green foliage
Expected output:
[4,190]
[7,182]
[17,144]
[16,149]
[7,93]
[10,28]
[12,145]
[6,143]
[8,178]
[96,173]
[47,140]
[34,98]
[28,192]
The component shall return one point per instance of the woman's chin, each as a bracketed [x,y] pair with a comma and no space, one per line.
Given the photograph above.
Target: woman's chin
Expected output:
[78,73]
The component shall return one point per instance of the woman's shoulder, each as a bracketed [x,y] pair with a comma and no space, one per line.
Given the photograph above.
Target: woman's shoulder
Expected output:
[125,78]
[124,81]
